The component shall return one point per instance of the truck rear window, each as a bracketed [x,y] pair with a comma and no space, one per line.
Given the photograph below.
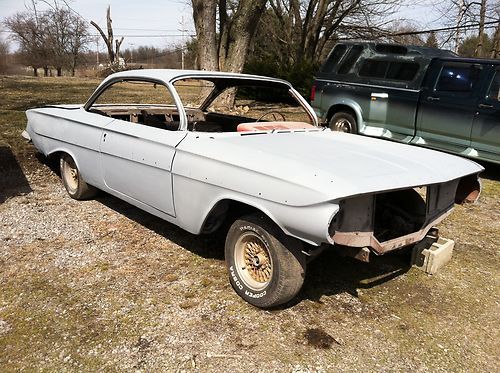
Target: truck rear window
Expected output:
[391,70]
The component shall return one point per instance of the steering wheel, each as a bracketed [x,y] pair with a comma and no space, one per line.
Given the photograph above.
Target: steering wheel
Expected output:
[274,113]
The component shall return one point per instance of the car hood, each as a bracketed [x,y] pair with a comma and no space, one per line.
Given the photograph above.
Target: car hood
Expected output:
[307,167]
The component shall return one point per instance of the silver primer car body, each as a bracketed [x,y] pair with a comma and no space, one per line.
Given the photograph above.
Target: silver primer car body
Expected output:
[313,186]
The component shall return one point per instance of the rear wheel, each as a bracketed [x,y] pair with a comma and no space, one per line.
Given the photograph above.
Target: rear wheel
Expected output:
[76,187]
[343,122]
[266,267]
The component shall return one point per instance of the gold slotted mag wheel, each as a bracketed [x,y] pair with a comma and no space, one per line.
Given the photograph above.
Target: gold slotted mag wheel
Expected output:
[253,261]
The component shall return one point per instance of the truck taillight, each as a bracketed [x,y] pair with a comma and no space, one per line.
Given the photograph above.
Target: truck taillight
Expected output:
[313,92]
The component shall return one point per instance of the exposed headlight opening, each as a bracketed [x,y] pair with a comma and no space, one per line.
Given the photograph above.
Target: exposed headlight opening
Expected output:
[391,220]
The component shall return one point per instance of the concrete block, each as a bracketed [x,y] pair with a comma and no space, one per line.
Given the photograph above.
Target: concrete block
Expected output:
[431,254]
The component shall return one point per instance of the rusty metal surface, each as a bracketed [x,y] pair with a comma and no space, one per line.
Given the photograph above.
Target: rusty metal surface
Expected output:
[367,239]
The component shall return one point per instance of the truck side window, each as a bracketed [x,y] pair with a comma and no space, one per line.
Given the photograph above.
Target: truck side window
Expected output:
[349,60]
[334,58]
[458,77]
[390,70]
[402,71]
[494,91]
[373,68]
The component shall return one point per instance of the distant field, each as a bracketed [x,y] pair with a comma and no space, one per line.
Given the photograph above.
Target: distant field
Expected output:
[102,285]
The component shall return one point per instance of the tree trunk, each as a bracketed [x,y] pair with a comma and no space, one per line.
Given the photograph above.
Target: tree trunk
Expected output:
[59,71]
[45,71]
[108,40]
[243,28]
[35,71]
[496,42]
[204,15]
[480,40]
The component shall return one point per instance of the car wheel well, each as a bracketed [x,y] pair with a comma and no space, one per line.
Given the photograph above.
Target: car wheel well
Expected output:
[224,213]
[53,161]
[340,108]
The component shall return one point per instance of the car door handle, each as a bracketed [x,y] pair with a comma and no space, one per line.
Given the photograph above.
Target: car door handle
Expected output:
[485,106]
[431,98]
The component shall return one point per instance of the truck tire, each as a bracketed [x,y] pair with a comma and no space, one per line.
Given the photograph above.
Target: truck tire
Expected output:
[76,187]
[343,122]
[266,267]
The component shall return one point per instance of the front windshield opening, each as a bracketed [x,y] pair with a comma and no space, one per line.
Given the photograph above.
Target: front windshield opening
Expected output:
[260,103]
[226,104]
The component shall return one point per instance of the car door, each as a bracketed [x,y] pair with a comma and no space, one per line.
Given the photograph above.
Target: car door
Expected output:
[136,161]
[485,136]
[136,155]
[448,106]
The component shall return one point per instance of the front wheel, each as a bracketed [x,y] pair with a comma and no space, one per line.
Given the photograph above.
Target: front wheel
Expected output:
[76,187]
[343,122]
[266,267]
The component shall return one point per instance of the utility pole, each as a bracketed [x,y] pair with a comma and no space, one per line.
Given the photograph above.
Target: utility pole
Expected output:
[97,52]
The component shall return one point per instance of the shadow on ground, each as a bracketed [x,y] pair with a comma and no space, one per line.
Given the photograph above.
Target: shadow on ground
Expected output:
[328,275]
[12,180]
[491,171]
[332,274]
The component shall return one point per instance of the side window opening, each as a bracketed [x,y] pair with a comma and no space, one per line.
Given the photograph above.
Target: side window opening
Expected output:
[140,102]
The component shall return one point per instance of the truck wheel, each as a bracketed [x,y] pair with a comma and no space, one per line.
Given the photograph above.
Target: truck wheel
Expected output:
[76,187]
[266,267]
[343,122]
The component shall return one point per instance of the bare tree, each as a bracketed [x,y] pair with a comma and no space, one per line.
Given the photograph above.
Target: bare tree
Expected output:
[30,31]
[112,44]
[464,17]
[51,38]
[304,30]
[4,54]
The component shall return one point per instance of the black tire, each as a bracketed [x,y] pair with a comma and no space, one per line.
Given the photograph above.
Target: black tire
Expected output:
[76,187]
[343,122]
[266,267]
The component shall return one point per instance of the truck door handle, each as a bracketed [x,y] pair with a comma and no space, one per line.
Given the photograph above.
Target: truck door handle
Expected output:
[485,106]
[376,95]
[431,98]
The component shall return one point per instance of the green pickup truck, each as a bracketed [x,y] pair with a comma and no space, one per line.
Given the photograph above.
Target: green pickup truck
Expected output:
[416,95]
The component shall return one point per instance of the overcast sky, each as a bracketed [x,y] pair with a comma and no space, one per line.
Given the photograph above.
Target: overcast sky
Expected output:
[158,22]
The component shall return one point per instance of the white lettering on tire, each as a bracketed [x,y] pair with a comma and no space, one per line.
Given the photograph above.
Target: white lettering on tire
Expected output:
[235,278]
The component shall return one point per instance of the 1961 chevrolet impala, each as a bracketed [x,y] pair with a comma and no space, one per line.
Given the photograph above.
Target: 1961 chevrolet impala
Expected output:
[173,143]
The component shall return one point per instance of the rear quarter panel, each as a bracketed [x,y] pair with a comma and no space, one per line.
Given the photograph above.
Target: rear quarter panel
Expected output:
[75,132]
